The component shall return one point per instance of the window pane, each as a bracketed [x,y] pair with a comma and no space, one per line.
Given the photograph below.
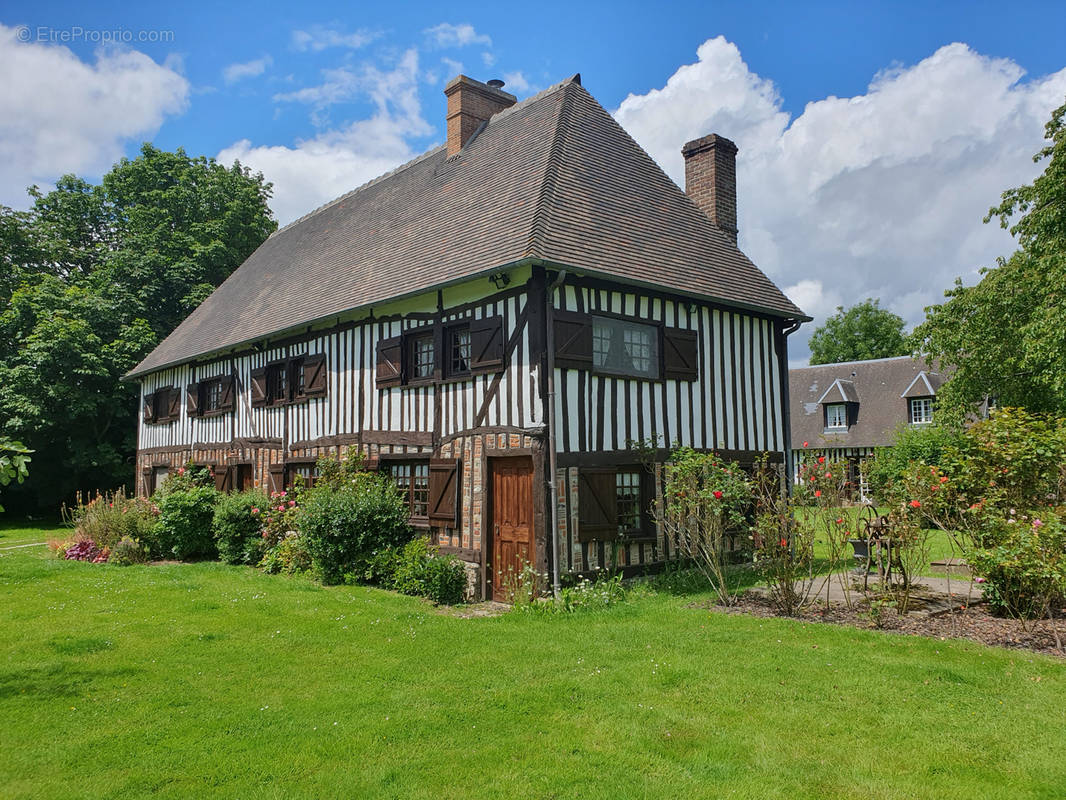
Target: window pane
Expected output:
[420,490]
[627,489]
[460,351]
[921,410]
[624,347]
[836,416]
[422,357]
[212,395]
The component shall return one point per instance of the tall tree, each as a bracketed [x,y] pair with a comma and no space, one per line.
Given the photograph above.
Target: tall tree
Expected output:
[1006,336]
[859,333]
[100,274]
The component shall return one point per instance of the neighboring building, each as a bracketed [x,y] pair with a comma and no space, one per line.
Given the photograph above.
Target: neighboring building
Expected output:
[535,292]
[848,410]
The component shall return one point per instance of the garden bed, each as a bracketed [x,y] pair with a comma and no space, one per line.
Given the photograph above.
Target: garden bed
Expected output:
[973,622]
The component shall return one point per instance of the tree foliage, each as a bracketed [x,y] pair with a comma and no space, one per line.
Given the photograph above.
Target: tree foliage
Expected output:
[1005,336]
[859,333]
[92,277]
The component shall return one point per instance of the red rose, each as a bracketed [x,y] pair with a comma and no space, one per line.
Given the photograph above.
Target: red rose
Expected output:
[717,495]
[821,459]
[915,504]
[804,444]
[784,542]
[817,492]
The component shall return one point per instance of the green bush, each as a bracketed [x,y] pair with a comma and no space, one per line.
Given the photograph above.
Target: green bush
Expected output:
[238,526]
[928,445]
[344,527]
[418,569]
[288,557]
[127,551]
[185,520]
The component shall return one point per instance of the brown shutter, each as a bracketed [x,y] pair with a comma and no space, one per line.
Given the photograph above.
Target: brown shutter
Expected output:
[597,505]
[276,478]
[681,354]
[443,491]
[224,478]
[148,407]
[192,399]
[315,377]
[227,403]
[573,340]
[486,343]
[174,404]
[259,387]
[390,362]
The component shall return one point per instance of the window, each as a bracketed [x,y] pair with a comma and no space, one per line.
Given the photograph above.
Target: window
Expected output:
[211,395]
[921,410]
[836,417]
[612,503]
[160,406]
[625,348]
[627,493]
[459,351]
[412,479]
[291,381]
[423,358]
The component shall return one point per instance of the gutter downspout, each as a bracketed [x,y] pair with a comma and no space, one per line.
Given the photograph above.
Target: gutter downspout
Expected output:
[553,488]
[782,361]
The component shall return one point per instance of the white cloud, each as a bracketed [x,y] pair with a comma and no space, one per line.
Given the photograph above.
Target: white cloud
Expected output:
[488,59]
[452,66]
[314,171]
[247,69]
[461,35]
[59,114]
[516,83]
[880,195]
[320,37]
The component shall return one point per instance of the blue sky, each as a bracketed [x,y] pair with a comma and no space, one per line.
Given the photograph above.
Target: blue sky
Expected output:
[873,136]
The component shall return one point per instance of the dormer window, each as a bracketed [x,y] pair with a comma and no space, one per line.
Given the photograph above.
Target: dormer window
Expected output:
[836,417]
[921,410]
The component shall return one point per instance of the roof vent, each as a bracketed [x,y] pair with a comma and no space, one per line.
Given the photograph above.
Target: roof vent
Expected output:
[496,83]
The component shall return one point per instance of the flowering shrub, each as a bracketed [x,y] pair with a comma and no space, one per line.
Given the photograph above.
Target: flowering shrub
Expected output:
[238,527]
[603,591]
[1023,560]
[783,543]
[823,488]
[278,517]
[289,556]
[704,498]
[85,550]
[111,516]
[128,551]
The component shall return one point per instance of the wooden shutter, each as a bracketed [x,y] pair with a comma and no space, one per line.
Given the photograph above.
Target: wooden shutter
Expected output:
[228,391]
[192,399]
[390,362]
[148,407]
[276,478]
[174,404]
[443,491]
[573,340]
[224,478]
[681,354]
[316,376]
[597,505]
[486,344]
[259,387]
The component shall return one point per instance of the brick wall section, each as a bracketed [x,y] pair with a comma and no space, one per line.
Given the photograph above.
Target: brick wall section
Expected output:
[470,103]
[711,179]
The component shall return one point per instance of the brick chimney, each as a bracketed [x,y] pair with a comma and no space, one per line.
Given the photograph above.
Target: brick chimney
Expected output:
[471,103]
[711,179]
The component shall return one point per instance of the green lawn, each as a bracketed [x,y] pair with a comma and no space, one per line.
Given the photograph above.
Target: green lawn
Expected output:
[210,681]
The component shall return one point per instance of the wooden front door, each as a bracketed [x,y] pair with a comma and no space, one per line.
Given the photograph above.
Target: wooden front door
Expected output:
[512,522]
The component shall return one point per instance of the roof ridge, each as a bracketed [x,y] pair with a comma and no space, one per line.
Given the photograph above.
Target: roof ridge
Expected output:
[859,361]
[538,230]
[417,159]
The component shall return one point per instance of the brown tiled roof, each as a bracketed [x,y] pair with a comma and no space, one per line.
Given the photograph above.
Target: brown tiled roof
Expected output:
[553,178]
[877,386]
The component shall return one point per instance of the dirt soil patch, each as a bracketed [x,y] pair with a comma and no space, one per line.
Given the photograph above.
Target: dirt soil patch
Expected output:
[972,622]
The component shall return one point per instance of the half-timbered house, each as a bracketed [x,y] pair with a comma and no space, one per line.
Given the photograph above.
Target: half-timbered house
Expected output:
[495,323]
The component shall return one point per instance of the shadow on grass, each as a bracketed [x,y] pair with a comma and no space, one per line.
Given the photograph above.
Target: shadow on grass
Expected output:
[58,679]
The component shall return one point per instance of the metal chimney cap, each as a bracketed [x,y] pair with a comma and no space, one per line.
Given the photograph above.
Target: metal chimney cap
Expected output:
[496,83]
